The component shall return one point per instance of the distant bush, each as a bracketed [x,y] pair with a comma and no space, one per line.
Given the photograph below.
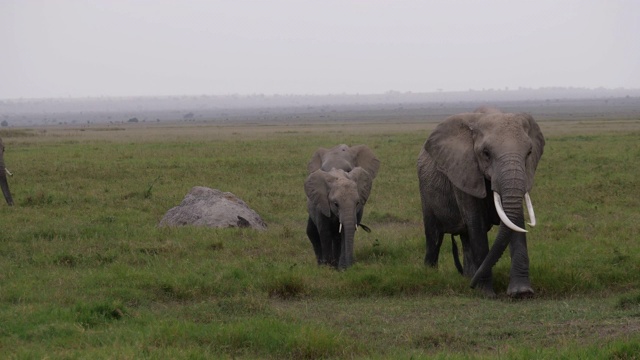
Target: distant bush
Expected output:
[8,133]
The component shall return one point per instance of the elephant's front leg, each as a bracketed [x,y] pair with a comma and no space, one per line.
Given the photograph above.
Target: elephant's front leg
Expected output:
[519,282]
[337,248]
[480,248]
[477,223]
[314,237]
[479,244]
[326,243]
[433,237]
[469,263]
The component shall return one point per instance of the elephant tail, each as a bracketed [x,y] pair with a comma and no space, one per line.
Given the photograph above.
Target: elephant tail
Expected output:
[456,255]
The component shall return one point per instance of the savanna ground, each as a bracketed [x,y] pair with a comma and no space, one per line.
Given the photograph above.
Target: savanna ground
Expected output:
[86,273]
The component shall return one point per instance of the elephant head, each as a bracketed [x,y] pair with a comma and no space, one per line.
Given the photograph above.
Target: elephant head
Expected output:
[498,152]
[3,177]
[336,199]
[345,158]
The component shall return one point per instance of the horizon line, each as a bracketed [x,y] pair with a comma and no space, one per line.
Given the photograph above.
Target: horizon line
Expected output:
[310,95]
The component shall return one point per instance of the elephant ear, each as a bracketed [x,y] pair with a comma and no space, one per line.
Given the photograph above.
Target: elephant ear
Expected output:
[316,160]
[451,147]
[317,189]
[365,158]
[364,182]
[537,140]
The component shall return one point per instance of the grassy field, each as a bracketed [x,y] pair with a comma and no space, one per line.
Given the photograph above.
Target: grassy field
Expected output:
[86,273]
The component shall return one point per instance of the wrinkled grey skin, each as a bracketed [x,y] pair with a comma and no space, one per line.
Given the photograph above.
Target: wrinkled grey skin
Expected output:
[337,188]
[466,158]
[3,177]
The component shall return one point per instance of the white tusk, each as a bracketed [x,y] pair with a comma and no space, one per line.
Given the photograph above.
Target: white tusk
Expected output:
[503,216]
[532,215]
[8,172]
[340,228]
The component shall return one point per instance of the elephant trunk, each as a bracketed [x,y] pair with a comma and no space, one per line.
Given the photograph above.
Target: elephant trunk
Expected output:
[347,233]
[505,235]
[4,184]
[511,213]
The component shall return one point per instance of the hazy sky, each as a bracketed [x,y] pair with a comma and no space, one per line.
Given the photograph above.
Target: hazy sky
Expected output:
[61,48]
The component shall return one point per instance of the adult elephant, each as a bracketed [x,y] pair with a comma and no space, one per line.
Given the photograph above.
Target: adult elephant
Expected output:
[3,176]
[474,171]
[337,188]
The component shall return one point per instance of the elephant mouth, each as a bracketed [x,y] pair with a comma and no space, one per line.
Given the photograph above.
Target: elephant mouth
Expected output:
[503,216]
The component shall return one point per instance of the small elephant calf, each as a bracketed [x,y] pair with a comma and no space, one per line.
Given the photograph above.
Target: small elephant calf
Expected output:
[337,188]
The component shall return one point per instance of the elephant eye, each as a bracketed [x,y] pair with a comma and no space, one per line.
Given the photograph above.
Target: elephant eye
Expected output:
[486,153]
[335,204]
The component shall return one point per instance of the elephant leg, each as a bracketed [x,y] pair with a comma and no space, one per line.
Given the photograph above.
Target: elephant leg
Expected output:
[314,237]
[477,225]
[469,264]
[479,249]
[326,243]
[337,249]
[519,282]
[434,242]
[434,237]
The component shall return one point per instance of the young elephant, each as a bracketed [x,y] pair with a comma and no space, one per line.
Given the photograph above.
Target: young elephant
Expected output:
[475,170]
[337,189]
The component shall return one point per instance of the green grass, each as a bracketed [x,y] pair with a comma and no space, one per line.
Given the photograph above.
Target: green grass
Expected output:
[86,273]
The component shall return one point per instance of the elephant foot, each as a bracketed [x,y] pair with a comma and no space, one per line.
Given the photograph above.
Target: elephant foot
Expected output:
[486,288]
[327,263]
[488,293]
[469,271]
[520,290]
[343,265]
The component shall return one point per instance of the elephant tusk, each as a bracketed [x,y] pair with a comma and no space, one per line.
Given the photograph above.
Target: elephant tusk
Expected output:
[340,228]
[503,216]
[8,172]
[532,215]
